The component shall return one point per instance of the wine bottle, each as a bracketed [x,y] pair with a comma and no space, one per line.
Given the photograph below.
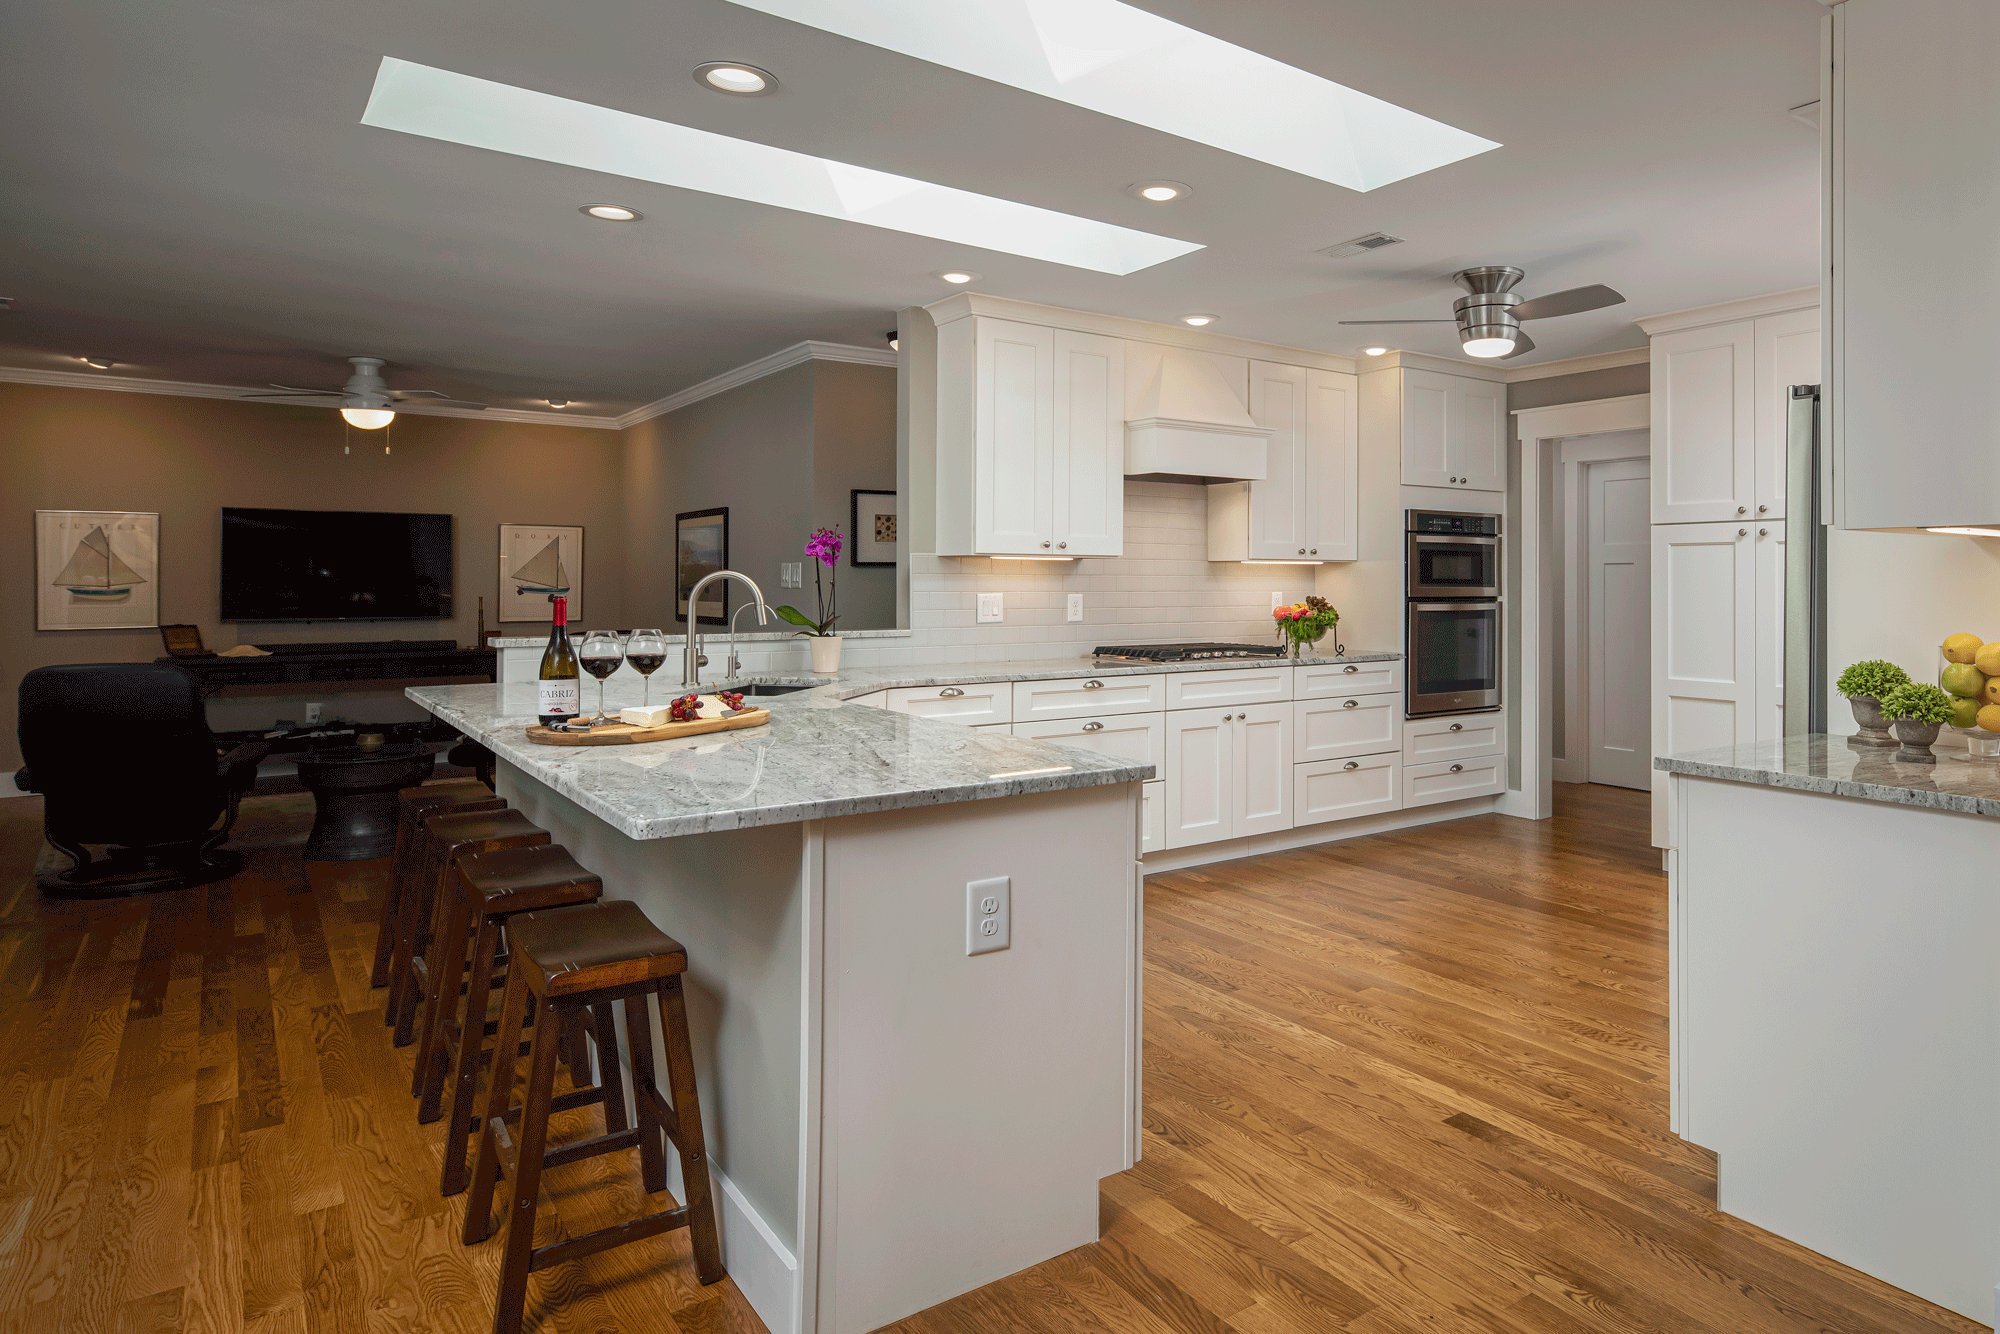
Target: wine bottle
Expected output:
[556,693]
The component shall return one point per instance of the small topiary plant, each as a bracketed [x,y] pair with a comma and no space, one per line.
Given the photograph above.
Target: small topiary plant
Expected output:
[1918,703]
[1873,679]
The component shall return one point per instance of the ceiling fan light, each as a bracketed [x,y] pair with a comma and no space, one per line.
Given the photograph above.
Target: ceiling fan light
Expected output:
[368,419]
[1488,347]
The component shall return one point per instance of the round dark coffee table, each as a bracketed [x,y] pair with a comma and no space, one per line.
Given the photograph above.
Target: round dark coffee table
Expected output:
[354,797]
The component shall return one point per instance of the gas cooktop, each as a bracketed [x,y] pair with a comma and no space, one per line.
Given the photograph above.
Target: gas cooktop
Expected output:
[1187,652]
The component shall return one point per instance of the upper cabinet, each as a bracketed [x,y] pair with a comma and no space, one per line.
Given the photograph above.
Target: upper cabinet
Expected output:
[1030,440]
[1307,505]
[1912,190]
[1719,396]
[1450,430]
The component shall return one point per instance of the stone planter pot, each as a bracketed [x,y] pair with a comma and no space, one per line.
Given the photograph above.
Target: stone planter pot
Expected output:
[826,654]
[1868,716]
[1916,738]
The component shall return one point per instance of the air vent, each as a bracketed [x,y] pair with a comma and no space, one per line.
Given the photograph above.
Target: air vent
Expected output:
[1361,245]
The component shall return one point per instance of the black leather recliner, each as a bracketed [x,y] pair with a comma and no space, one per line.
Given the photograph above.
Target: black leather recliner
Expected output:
[122,755]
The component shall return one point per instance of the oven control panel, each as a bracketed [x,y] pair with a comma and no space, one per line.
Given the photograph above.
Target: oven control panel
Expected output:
[1445,521]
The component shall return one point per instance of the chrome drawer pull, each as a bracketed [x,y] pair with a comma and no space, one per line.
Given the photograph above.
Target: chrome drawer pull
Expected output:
[1093,685]
[1349,670]
[950,692]
[1458,768]
[1352,764]
[1352,704]
[1093,727]
[1458,727]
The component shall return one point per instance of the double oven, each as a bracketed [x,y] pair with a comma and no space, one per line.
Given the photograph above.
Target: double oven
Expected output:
[1453,645]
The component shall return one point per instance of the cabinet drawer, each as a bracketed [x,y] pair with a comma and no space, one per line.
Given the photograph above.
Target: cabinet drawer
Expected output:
[1089,697]
[876,700]
[1140,737]
[1454,738]
[1337,728]
[1248,685]
[988,702]
[993,727]
[1152,817]
[1428,784]
[1342,789]
[1316,680]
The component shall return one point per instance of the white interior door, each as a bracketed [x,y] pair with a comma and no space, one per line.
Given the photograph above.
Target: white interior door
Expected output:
[1619,506]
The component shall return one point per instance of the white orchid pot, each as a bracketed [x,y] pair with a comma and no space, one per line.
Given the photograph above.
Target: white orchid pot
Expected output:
[826,654]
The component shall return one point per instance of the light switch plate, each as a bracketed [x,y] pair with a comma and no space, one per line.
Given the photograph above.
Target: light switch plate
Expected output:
[989,609]
[989,915]
[792,574]
[1076,606]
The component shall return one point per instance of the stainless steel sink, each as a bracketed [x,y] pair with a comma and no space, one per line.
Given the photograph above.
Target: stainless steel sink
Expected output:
[757,688]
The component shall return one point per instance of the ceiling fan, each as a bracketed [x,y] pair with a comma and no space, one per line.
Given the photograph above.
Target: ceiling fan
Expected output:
[1489,315]
[366,400]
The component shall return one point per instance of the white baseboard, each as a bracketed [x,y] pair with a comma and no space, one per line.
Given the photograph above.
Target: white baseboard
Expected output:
[764,1268]
[1565,770]
[1179,859]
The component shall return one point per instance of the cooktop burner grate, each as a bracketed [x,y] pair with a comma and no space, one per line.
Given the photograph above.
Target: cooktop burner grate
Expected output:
[1187,652]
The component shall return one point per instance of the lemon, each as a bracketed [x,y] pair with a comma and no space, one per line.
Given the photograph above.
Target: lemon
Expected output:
[1962,647]
[1964,680]
[1988,658]
[1991,693]
[1989,717]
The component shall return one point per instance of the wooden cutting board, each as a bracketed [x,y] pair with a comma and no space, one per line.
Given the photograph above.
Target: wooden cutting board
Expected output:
[628,734]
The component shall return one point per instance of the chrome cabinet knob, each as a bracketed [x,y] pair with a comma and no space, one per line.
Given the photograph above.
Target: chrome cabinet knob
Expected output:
[1302,551]
[950,692]
[1352,764]
[1063,545]
[1458,727]
[1315,551]
[1458,768]
[1741,510]
[1093,685]
[1352,704]
[1763,508]
[1349,670]
[1093,727]
[1763,532]
[1045,546]
[1743,532]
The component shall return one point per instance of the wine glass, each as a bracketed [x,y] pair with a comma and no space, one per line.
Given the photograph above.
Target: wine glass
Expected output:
[646,650]
[600,655]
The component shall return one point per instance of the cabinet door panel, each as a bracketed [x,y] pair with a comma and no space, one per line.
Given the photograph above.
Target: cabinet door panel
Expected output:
[1478,456]
[1357,725]
[1152,817]
[1429,784]
[1261,790]
[1333,504]
[1278,399]
[1704,643]
[1427,457]
[1013,463]
[1198,764]
[1342,789]
[1089,444]
[1787,354]
[1704,424]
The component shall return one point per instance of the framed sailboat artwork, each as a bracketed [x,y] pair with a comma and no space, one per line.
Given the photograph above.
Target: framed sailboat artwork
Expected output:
[96,570]
[538,562]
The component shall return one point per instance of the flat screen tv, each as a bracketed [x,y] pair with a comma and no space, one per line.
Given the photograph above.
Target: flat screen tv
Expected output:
[335,565]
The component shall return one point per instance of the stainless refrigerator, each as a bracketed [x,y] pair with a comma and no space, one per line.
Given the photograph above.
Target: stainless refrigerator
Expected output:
[1806,509]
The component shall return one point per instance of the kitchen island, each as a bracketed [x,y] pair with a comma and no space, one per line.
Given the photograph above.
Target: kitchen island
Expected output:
[1835,1005]
[892,1120]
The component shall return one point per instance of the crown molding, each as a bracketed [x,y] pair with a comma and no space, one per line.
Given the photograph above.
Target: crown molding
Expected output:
[123,384]
[1424,361]
[959,305]
[1748,308]
[1596,361]
[783,359]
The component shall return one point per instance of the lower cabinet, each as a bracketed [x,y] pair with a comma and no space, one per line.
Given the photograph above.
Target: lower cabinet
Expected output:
[1138,737]
[1229,773]
[968,705]
[1451,780]
[1342,789]
[1336,729]
[1152,816]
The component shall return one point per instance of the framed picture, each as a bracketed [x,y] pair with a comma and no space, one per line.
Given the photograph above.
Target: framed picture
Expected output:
[539,561]
[874,528]
[96,570]
[701,546]
[184,641]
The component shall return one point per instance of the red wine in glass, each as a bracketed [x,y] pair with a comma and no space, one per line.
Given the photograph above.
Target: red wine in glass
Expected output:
[646,650]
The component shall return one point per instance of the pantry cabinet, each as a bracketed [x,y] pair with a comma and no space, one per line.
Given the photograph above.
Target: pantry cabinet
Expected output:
[1308,505]
[1449,430]
[1719,399]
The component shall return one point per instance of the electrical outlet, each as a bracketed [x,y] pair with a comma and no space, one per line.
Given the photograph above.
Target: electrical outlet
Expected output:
[1076,606]
[989,914]
[989,609]
[312,714]
[1277,600]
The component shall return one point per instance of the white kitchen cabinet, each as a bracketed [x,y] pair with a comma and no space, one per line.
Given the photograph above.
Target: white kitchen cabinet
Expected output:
[1328,729]
[1317,680]
[1454,737]
[1705,640]
[1089,697]
[1788,353]
[1229,686]
[1453,780]
[1326,790]
[1030,440]
[1152,816]
[1767,556]
[1228,773]
[1450,430]
[1138,737]
[1307,507]
[969,705]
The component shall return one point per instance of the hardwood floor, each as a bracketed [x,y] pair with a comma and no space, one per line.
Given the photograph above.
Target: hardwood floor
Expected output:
[1415,1082]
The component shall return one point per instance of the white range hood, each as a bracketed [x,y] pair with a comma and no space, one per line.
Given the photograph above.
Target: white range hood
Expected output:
[1190,424]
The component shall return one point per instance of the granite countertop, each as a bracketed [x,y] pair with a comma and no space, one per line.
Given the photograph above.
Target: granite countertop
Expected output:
[1841,767]
[818,758]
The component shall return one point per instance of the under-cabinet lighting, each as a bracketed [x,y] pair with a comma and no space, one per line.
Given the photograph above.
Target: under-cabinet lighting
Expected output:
[1966,532]
[1281,562]
[1122,61]
[479,113]
[1031,558]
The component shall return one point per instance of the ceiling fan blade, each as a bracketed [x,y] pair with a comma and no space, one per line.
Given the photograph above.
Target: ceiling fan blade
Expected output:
[436,397]
[1522,343]
[1399,321]
[1573,301]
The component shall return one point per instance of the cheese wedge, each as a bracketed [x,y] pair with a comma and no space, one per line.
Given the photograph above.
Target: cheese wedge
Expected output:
[651,717]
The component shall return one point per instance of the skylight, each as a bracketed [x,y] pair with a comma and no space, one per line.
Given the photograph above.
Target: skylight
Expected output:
[459,109]
[1125,62]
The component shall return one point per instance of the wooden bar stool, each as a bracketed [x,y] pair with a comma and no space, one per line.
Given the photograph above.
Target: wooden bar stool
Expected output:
[416,802]
[492,888]
[564,961]
[447,837]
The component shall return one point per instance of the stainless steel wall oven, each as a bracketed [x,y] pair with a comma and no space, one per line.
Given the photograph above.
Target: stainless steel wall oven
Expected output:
[1453,645]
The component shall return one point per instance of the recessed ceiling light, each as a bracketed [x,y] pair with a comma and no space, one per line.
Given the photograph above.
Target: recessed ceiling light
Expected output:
[735,77]
[956,275]
[101,363]
[1158,192]
[895,343]
[612,212]
[458,109]
[1374,351]
[1198,320]
[1122,61]
[556,402]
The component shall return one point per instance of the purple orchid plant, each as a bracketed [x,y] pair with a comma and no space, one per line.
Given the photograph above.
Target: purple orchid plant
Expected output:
[824,547]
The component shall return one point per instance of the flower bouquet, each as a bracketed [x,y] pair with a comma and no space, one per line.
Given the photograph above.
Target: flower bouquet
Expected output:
[1305,622]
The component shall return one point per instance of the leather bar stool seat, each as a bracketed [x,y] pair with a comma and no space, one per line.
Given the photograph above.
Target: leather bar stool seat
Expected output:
[414,803]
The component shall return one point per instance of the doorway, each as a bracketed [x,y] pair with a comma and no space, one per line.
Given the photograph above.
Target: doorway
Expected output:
[1605,709]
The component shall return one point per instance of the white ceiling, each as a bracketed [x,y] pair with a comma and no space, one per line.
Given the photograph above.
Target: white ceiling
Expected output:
[198,201]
